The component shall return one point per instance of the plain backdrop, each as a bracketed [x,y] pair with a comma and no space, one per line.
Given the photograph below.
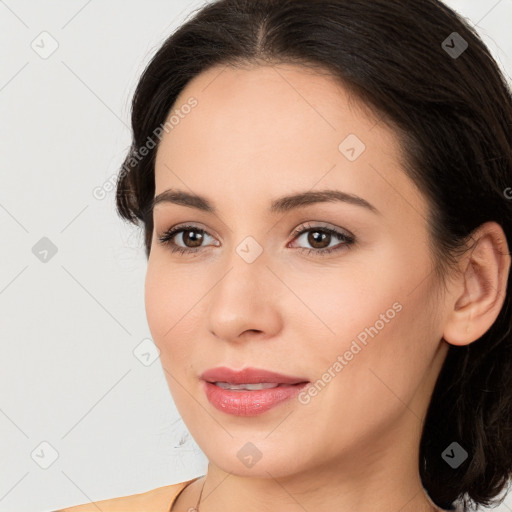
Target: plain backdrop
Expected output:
[85,412]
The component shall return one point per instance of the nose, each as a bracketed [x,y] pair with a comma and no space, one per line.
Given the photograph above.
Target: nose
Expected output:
[245,301]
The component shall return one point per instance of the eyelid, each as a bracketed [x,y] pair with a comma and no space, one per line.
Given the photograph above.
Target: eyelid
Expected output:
[303,226]
[311,225]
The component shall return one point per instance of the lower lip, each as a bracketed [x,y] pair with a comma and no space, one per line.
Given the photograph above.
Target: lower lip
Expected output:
[249,403]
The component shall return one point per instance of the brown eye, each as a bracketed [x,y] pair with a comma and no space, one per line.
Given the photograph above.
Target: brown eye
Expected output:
[195,240]
[320,239]
[190,240]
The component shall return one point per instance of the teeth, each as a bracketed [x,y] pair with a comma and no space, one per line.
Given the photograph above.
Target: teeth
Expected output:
[249,387]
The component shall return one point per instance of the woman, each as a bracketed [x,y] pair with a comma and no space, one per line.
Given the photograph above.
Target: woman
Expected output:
[325,193]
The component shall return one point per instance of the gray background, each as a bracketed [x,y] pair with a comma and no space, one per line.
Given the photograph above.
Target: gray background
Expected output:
[74,366]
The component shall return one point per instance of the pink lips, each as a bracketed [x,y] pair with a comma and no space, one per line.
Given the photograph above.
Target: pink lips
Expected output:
[246,402]
[248,376]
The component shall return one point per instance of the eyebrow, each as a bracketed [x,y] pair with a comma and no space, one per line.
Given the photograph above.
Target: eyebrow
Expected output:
[280,205]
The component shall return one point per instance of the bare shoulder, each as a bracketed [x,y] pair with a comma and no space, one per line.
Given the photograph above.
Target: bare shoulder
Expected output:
[156,500]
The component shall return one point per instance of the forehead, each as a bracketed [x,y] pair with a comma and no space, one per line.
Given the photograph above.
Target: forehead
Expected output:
[263,100]
[278,128]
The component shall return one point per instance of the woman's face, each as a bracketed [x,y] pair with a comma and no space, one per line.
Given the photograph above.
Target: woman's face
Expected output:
[362,323]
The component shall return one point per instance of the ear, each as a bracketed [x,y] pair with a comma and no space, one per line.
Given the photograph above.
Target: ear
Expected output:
[480,289]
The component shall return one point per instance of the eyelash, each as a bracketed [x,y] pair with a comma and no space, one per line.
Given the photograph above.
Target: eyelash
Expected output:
[347,240]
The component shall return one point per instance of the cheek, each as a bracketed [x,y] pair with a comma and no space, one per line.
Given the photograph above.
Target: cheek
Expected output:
[385,339]
[366,374]
[340,302]
[372,306]
[167,301]
[155,303]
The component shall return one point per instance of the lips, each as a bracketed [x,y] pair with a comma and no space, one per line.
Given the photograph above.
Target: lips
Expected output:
[249,376]
[232,392]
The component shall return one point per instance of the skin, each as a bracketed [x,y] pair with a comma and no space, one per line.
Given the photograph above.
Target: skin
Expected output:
[256,134]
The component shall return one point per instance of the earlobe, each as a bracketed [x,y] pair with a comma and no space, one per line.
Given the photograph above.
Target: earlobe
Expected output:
[481,286]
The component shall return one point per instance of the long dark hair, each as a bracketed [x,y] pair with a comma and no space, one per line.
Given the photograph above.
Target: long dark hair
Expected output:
[424,70]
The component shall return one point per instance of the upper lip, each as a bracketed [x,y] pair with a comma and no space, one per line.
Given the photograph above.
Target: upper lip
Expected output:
[248,376]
